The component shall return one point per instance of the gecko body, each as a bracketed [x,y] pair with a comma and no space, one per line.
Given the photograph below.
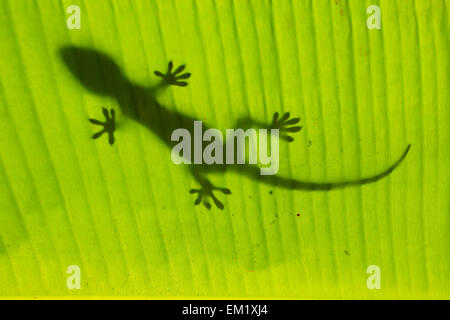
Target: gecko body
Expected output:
[98,73]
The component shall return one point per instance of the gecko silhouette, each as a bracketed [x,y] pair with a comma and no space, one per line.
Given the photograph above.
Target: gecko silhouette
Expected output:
[98,73]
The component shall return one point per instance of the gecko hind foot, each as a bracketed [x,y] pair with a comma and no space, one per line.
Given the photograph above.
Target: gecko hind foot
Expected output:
[285,125]
[109,126]
[207,191]
[174,77]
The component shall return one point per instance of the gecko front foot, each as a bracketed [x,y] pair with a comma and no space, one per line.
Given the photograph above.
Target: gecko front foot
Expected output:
[285,125]
[108,126]
[207,192]
[174,78]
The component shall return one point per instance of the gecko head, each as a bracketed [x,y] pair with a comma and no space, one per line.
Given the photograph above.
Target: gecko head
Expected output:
[95,70]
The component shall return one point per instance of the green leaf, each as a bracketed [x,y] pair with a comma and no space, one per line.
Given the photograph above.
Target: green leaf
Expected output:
[124,214]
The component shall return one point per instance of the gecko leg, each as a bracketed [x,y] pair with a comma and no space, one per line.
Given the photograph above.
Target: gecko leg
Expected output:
[174,77]
[207,191]
[285,125]
[109,126]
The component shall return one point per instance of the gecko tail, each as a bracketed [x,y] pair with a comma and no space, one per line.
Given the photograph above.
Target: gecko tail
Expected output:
[295,184]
